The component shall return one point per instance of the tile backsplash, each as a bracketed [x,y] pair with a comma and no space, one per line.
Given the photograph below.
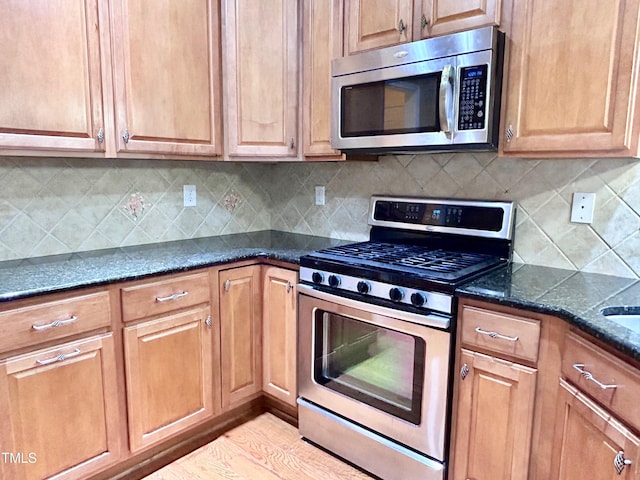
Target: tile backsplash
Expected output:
[51,206]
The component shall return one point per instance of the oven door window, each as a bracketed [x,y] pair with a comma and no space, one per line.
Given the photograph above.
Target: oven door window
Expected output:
[378,366]
[389,107]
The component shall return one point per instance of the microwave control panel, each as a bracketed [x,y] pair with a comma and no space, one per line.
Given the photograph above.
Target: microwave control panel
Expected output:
[473,98]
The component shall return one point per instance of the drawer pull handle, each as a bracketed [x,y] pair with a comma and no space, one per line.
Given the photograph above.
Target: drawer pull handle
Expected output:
[496,335]
[55,323]
[589,376]
[175,296]
[59,358]
[619,462]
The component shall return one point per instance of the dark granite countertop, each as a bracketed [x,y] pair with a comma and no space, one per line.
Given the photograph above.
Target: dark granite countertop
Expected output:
[576,297]
[41,275]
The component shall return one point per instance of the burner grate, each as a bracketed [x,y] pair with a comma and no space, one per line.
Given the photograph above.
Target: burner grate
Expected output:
[431,262]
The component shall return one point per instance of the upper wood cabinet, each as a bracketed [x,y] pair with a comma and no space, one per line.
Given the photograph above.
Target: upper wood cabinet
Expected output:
[379,23]
[572,85]
[322,26]
[167,77]
[50,75]
[260,70]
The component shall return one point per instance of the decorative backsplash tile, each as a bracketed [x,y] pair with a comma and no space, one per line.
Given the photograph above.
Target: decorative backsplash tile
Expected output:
[50,206]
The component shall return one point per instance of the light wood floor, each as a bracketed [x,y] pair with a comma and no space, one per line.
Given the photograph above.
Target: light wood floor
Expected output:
[265,448]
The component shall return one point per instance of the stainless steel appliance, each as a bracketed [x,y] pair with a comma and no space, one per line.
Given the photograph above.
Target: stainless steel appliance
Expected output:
[441,93]
[376,331]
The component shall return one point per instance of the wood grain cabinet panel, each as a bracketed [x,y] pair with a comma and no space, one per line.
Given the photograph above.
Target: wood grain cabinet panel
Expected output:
[59,411]
[52,320]
[167,77]
[494,419]
[279,334]
[169,373]
[572,85]
[165,295]
[588,439]
[260,56]
[322,42]
[440,17]
[241,334]
[50,75]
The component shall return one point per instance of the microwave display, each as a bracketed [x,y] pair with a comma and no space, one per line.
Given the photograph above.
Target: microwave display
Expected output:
[473,98]
[390,107]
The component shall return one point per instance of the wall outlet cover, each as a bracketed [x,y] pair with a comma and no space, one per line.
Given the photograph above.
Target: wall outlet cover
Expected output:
[582,207]
[189,193]
[320,198]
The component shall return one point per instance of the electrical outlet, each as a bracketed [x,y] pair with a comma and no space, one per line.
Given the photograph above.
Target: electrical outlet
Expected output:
[320,199]
[582,207]
[189,192]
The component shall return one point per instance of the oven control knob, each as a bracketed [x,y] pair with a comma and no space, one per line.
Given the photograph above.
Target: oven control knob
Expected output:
[317,277]
[396,294]
[363,287]
[334,281]
[418,299]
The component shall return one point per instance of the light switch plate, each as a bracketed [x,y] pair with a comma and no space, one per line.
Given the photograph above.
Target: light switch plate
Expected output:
[582,207]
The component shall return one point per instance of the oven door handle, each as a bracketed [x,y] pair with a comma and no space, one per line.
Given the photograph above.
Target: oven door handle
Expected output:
[428,319]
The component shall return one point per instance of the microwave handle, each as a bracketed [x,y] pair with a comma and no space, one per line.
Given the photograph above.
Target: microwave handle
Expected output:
[445,99]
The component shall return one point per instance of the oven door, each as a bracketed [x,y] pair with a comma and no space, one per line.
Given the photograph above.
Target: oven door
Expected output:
[376,367]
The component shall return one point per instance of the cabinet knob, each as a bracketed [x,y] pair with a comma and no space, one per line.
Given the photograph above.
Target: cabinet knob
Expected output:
[464,371]
[289,287]
[509,133]
[125,136]
[401,26]
[208,322]
[424,22]
[292,144]
[100,136]
[227,285]
[619,462]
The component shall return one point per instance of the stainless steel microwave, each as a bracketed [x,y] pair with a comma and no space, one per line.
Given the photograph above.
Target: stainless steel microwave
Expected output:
[442,94]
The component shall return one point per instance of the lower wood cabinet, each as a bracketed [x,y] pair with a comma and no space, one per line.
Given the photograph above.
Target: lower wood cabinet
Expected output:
[590,442]
[59,412]
[241,334]
[169,375]
[279,334]
[494,418]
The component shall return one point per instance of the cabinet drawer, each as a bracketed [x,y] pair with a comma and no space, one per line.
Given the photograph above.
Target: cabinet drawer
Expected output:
[500,333]
[46,321]
[154,298]
[607,379]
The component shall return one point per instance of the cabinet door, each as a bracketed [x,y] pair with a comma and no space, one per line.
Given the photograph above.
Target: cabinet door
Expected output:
[241,334]
[377,23]
[260,43]
[59,411]
[167,76]
[168,365]
[440,17]
[279,334]
[494,419]
[50,75]
[572,84]
[588,440]
[322,27]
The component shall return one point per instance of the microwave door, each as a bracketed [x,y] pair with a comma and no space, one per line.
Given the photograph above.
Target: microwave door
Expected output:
[394,108]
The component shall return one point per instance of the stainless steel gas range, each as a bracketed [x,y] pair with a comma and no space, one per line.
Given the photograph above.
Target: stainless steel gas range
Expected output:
[377,326]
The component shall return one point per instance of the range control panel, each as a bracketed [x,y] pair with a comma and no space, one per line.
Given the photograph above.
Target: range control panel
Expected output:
[473,98]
